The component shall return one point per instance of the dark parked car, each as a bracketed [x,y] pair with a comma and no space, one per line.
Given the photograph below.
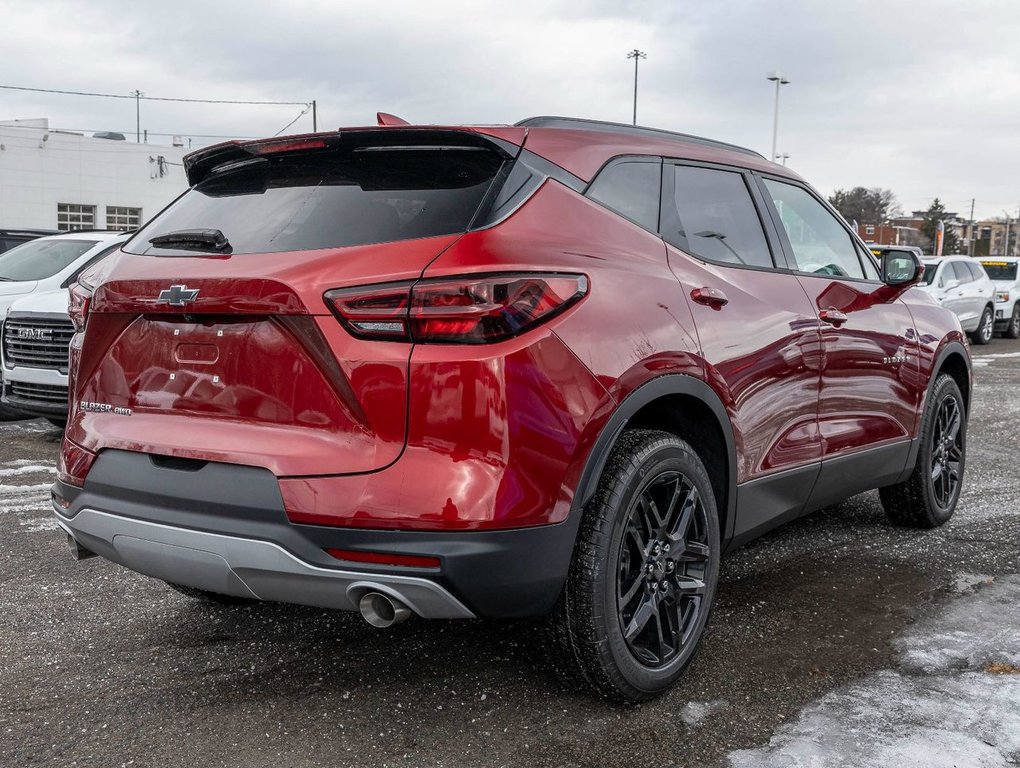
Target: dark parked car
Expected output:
[9,238]
[546,370]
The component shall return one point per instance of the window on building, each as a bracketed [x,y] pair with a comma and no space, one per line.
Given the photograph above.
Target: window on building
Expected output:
[73,216]
[121,218]
[869,229]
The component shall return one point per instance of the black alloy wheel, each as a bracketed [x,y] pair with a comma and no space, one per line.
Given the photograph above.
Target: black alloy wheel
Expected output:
[927,498]
[946,452]
[663,559]
[643,575]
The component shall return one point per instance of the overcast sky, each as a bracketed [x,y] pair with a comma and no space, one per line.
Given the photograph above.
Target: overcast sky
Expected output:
[919,96]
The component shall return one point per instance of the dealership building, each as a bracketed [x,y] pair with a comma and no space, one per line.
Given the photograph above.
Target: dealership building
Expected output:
[64,180]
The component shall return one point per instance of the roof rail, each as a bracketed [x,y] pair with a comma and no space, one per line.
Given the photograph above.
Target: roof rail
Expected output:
[549,121]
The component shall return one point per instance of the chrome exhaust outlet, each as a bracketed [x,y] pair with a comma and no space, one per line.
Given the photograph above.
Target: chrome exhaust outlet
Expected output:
[381,610]
[78,552]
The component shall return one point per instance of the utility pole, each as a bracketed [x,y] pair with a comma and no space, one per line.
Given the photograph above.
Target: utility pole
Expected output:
[138,115]
[779,80]
[315,118]
[970,242]
[636,55]
[1005,247]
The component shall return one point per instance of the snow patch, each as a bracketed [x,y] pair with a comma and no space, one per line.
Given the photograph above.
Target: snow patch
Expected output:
[932,714]
[27,469]
[696,711]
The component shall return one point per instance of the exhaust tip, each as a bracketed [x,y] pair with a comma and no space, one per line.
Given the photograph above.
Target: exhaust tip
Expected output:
[381,610]
[78,552]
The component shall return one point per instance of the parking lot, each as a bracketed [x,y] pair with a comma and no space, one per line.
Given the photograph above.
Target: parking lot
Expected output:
[822,622]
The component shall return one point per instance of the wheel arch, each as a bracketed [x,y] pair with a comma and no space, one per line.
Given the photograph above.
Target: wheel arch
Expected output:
[688,408]
[953,359]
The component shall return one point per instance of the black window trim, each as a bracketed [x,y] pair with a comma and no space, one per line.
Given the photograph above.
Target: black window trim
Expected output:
[779,258]
[620,160]
[785,240]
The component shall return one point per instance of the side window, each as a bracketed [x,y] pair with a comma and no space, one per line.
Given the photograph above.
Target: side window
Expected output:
[711,215]
[820,243]
[976,270]
[961,272]
[631,189]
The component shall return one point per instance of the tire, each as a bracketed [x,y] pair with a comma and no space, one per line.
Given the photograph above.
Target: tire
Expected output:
[924,501]
[210,597]
[983,333]
[1013,326]
[621,536]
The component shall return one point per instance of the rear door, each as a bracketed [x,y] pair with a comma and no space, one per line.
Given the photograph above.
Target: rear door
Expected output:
[758,333]
[870,386]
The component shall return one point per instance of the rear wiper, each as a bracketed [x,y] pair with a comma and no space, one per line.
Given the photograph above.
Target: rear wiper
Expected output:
[193,240]
[6,279]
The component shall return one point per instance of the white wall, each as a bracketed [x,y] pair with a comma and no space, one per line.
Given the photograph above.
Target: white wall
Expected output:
[35,175]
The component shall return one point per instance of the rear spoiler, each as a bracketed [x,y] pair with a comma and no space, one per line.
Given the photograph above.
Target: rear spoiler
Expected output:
[202,163]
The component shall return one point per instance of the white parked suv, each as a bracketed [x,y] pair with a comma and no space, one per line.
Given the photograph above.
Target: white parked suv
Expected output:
[35,336]
[1005,273]
[961,285]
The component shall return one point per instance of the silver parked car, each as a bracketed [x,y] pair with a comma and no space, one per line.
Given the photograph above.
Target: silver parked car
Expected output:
[961,285]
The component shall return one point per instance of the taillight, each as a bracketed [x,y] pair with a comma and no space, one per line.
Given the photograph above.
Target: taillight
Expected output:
[467,310]
[78,302]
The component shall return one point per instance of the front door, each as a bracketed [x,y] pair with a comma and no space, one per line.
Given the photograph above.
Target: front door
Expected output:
[870,382]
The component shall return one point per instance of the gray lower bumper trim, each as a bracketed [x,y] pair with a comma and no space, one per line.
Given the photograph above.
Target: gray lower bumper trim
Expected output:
[246,567]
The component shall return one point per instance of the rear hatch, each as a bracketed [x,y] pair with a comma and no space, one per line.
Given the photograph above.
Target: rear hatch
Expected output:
[208,336]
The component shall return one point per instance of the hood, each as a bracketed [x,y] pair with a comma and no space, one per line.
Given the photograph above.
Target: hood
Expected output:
[9,293]
[46,302]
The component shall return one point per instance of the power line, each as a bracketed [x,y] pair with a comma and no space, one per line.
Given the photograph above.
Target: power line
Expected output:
[150,133]
[155,98]
[300,115]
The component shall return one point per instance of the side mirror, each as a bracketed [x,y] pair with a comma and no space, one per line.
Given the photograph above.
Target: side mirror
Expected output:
[901,269]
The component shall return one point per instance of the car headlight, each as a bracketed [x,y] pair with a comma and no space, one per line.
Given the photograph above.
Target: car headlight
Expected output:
[1001,296]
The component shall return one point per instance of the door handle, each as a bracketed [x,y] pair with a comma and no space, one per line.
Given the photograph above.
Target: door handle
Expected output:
[832,317]
[710,297]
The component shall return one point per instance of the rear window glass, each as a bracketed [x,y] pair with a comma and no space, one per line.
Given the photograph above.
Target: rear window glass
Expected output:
[39,259]
[1000,270]
[333,199]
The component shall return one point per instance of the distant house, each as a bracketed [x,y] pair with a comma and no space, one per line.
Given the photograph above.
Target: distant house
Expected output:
[67,181]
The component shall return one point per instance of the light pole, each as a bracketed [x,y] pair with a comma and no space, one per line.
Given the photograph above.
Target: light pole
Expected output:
[779,80]
[636,55]
[784,157]
[138,115]
[1005,248]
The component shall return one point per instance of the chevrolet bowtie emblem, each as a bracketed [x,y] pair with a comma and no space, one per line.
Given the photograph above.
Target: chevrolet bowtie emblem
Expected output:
[178,295]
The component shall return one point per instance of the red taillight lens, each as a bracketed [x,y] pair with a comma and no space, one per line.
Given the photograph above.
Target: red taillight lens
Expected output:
[79,298]
[456,311]
[384,558]
[290,144]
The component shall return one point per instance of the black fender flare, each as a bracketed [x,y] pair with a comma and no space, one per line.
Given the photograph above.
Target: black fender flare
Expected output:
[661,386]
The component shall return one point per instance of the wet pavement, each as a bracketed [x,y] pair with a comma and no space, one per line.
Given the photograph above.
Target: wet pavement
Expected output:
[103,667]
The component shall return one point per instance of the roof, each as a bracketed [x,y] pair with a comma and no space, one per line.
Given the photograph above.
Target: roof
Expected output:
[629,130]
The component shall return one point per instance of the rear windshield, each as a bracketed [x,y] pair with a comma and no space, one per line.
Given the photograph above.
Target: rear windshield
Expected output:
[332,199]
[1000,270]
[39,259]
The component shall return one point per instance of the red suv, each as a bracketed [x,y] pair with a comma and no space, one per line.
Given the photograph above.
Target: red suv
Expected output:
[552,369]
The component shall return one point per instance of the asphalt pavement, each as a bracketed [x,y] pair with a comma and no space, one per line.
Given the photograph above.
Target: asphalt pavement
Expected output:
[823,621]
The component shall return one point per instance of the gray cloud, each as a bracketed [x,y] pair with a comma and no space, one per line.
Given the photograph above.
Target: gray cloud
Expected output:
[921,97]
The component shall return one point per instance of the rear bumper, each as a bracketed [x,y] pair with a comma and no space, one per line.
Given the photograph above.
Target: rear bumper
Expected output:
[223,528]
[244,567]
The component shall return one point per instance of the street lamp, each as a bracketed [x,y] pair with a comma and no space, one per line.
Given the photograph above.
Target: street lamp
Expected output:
[636,55]
[784,157]
[779,80]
